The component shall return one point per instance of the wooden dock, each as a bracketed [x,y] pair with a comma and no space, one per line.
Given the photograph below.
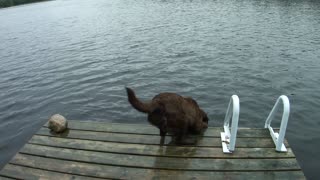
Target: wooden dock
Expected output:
[92,150]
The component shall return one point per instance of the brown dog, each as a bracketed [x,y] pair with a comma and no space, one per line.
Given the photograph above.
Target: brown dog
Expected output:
[172,113]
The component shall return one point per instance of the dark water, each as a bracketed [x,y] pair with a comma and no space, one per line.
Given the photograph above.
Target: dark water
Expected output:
[75,57]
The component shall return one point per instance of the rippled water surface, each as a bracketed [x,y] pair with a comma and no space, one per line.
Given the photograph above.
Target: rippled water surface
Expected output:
[75,58]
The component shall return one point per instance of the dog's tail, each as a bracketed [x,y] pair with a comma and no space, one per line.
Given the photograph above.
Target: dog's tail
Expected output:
[136,103]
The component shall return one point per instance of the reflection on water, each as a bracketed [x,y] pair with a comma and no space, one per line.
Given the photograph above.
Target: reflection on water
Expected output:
[75,57]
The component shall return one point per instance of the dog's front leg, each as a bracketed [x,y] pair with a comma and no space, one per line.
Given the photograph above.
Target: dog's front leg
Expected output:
[182,133]
[182,138]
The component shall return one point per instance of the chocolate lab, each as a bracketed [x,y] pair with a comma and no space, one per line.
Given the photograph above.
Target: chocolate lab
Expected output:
[172,113]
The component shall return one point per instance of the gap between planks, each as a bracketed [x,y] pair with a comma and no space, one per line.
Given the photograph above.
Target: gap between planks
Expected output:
[147,129]
[155,140]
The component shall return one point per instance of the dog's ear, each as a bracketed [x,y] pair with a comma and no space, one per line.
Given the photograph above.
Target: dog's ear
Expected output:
[205,120]
[204,125]
[204,116]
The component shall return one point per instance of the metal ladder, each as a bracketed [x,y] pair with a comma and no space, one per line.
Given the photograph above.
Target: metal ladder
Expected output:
[228,138]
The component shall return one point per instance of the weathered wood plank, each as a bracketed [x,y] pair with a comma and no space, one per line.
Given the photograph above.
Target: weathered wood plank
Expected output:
[162,162]
[156,150]
[21,172]
[106,171]
[7,178]
[151,130]
[155,140]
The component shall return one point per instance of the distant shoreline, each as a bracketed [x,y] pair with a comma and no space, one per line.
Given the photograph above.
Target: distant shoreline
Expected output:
[9,3]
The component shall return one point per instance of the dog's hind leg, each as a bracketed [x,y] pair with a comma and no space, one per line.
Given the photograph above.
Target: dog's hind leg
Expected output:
[163,131]
[162,140]
[158,119]
[163,126]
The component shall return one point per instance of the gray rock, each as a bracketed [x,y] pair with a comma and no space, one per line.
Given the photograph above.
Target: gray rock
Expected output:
[58,123]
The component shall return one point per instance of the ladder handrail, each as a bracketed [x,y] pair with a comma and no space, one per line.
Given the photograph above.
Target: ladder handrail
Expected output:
[278,138]
[229,138]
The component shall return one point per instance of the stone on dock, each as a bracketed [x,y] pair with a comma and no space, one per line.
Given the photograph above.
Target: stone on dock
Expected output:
[58,123]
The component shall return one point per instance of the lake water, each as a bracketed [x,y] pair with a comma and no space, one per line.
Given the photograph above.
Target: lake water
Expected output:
[75,57]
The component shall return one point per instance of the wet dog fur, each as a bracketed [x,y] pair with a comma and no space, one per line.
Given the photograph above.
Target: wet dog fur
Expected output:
[172,113]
